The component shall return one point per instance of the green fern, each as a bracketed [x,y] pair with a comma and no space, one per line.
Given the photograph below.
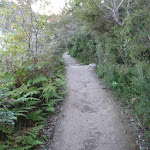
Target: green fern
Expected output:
[21,111]
[31,142]
[35,130]
[48,91]
[25,99]
[3,147]
[59,82]
[38,79]
[60,76]
[31,138]
[49,108]
[7,129]
[20,148]
[49,105]
[17,92]
[48,87]
[23,140]
[32,91]
[47,95]
[35,115]
[31,103]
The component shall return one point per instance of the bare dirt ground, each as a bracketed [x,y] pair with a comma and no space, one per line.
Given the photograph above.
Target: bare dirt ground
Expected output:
[90,119]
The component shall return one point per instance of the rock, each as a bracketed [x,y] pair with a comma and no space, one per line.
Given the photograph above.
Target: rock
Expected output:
[92,65]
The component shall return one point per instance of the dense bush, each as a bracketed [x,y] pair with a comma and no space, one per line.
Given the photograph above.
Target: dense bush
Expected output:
[83,48]
[25,106]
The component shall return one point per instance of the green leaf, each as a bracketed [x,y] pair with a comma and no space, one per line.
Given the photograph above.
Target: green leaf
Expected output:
[40,78]
[24,99]
[48,87]
[31,91]
[52,109]
[59,82]
[35,115]
[3,147]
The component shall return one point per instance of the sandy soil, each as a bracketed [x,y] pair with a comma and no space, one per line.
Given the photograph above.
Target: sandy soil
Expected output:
[90,119]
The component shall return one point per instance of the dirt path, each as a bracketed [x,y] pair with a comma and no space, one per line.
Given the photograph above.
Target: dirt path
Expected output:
[90,119]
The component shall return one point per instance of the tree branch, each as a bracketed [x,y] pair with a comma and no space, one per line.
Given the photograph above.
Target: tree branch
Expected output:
[99,8]
[108,7]
[127,10]
[24,27]
[120,4]
[108,17]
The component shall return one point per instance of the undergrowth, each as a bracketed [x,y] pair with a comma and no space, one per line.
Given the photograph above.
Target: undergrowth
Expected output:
[26,100]
[83,48]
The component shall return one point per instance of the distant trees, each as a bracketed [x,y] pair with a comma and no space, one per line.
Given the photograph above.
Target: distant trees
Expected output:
[30,24]
[22,31]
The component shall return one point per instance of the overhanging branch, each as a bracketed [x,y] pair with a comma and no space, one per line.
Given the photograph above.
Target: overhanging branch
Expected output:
[120,4]
[103,12]
[127,10]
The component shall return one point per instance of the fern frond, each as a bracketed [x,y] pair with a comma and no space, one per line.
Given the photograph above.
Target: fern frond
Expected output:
[50,102]
[37,142]
[3,147]
[46,95]
[49,105]
[30,139]
[49,108]
[35,130]
[20,148]
[24,99]
[48,91]
[17,92]
[20,114]
[29,107]
[22,109]
[31,142]
[61,76]
[59,82]
[48,87]
[40,78]
[32,91]
[35,115]
[31,103]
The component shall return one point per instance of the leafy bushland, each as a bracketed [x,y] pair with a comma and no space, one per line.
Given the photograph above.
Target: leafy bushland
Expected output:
[31,75]
[82,47]
[25,107]
[116,37]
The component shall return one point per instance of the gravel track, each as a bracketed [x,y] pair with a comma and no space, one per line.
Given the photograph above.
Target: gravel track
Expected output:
[90,119]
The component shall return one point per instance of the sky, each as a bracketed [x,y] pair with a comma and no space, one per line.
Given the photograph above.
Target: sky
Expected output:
[55,7]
